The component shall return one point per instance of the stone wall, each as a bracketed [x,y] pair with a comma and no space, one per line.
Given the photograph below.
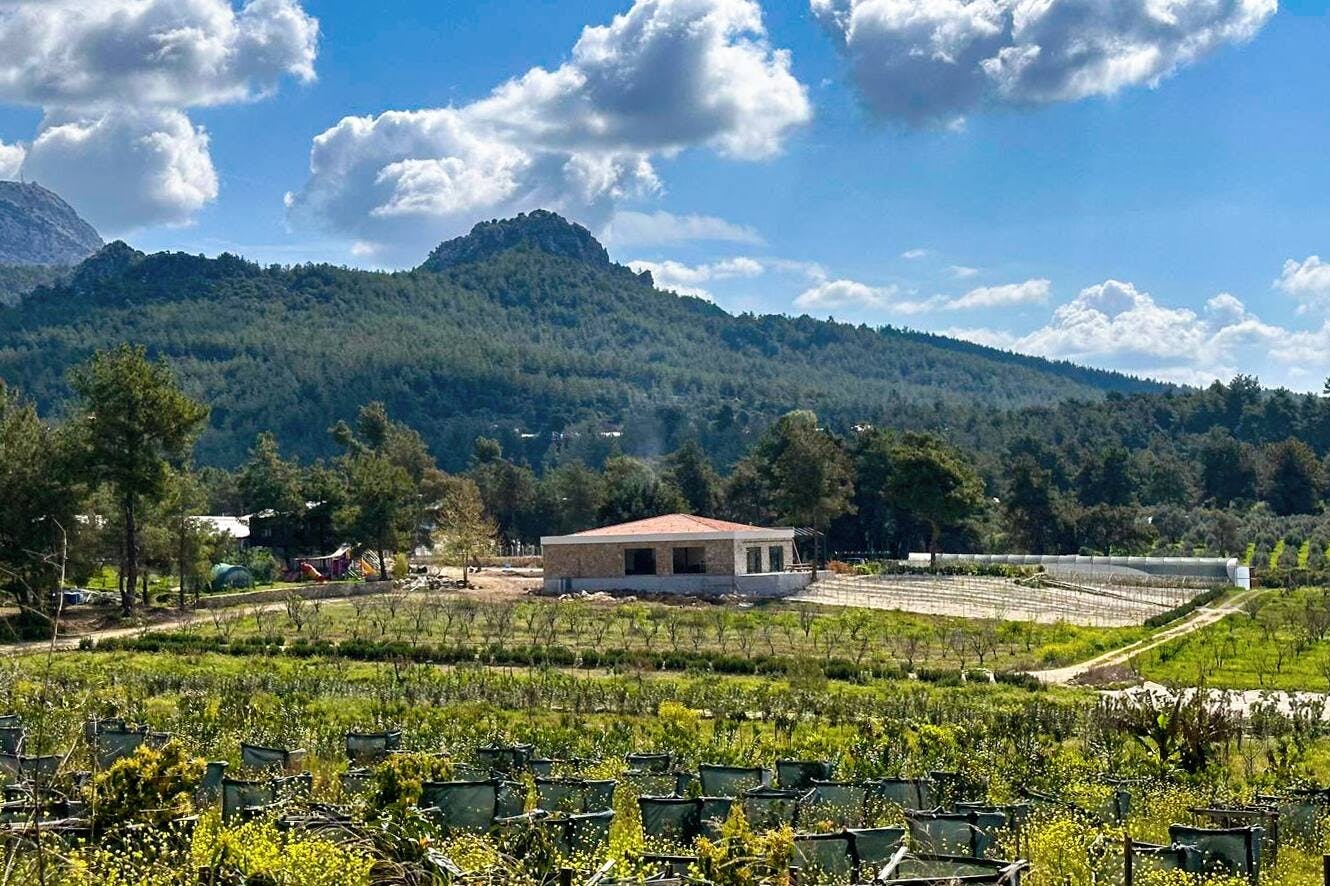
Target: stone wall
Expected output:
[325,591]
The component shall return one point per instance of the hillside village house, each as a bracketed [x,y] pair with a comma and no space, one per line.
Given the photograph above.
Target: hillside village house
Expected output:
[675,553]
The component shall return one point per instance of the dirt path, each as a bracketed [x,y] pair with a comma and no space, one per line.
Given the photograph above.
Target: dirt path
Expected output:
[1202,617]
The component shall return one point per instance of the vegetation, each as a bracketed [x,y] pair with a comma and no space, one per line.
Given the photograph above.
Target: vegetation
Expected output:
[1281,640]
[516,338]
[1182,755]
[460,628]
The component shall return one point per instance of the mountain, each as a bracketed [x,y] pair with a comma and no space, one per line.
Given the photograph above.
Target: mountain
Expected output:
[40,237]
[38,228]
[523,330]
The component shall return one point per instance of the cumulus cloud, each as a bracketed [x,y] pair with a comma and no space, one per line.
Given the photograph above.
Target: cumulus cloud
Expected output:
[166,53]
[934,61]
[961,272]
[1011,294]
[835,294]
[1308,281]
[665,76]
[915,254]
[126,169]
[688,279]
[115,79]
[11,159]
[628,228]
[1116,325]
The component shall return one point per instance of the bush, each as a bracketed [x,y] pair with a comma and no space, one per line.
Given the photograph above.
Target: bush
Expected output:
[1177,612]
[398,780]
[151,785]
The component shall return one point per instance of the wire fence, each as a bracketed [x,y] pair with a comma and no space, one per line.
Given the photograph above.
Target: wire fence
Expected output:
[1107,603]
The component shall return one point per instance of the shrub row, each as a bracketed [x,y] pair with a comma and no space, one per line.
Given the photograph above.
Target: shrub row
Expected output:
[552,656]
[1177,612]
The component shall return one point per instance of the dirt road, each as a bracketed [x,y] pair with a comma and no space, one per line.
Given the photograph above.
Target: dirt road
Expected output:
[1206,615]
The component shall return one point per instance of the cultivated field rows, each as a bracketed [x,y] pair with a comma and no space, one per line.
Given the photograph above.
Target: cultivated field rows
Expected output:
[984,597]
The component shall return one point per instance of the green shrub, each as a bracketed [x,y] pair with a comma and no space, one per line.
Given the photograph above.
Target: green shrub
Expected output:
[153,785]
[398,779]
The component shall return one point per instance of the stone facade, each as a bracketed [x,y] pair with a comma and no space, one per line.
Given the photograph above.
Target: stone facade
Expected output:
[605,558]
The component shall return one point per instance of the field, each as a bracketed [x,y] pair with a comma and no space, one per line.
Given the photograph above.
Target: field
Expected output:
[584,683]
[1038,599]
[502,621]
[1279,641]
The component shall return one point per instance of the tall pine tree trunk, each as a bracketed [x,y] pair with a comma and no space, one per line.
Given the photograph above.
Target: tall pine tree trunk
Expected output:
[131,575]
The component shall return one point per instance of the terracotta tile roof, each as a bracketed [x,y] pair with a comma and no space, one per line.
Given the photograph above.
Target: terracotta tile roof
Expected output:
[672,524]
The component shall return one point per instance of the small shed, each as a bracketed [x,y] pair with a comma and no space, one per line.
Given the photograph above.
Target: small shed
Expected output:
[675,553]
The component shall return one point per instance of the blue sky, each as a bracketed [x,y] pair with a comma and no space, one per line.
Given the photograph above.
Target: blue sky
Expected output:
[1160,212]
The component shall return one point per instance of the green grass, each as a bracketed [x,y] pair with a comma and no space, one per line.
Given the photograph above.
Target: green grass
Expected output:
[1274,645]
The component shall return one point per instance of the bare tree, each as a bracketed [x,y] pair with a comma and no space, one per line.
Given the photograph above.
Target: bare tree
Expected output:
[262,620]
[720,626]
[806,619]
[912,644]
[421,617]
[745,630]
[697,631]
[548,627]
[600,626]
[296,611]
[224,624]
[574,619]
[674,631]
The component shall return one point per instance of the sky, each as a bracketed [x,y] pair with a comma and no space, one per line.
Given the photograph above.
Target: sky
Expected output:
[1138,185]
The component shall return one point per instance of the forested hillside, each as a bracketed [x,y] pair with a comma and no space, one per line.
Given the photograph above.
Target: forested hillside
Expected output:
[523,331]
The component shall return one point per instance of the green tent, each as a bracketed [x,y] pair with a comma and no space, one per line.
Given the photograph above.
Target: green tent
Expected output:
[227,577]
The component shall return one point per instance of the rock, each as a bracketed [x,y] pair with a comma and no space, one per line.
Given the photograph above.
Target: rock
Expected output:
[38,228]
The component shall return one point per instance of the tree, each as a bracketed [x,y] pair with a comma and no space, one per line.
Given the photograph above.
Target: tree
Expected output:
[1106,479]
[266,482]
[133,421]
[1227,473]
[1292,480]
[379,510]
[39,499]
[692,474]
[508,490]
[933,483]
[1031,508]
[192,542]
[465,530]
[634,491]
[570,498]
[807,471]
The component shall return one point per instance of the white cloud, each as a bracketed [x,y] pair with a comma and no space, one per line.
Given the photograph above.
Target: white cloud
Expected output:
[834,294]
[665,76]
[1115,325]
[687,279]
[164,53]
[126,169]
[628,228]
[1308,281]
[11,159]
[961,272]
[1029,292]
[115,77]
[915,254]
[934,61]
